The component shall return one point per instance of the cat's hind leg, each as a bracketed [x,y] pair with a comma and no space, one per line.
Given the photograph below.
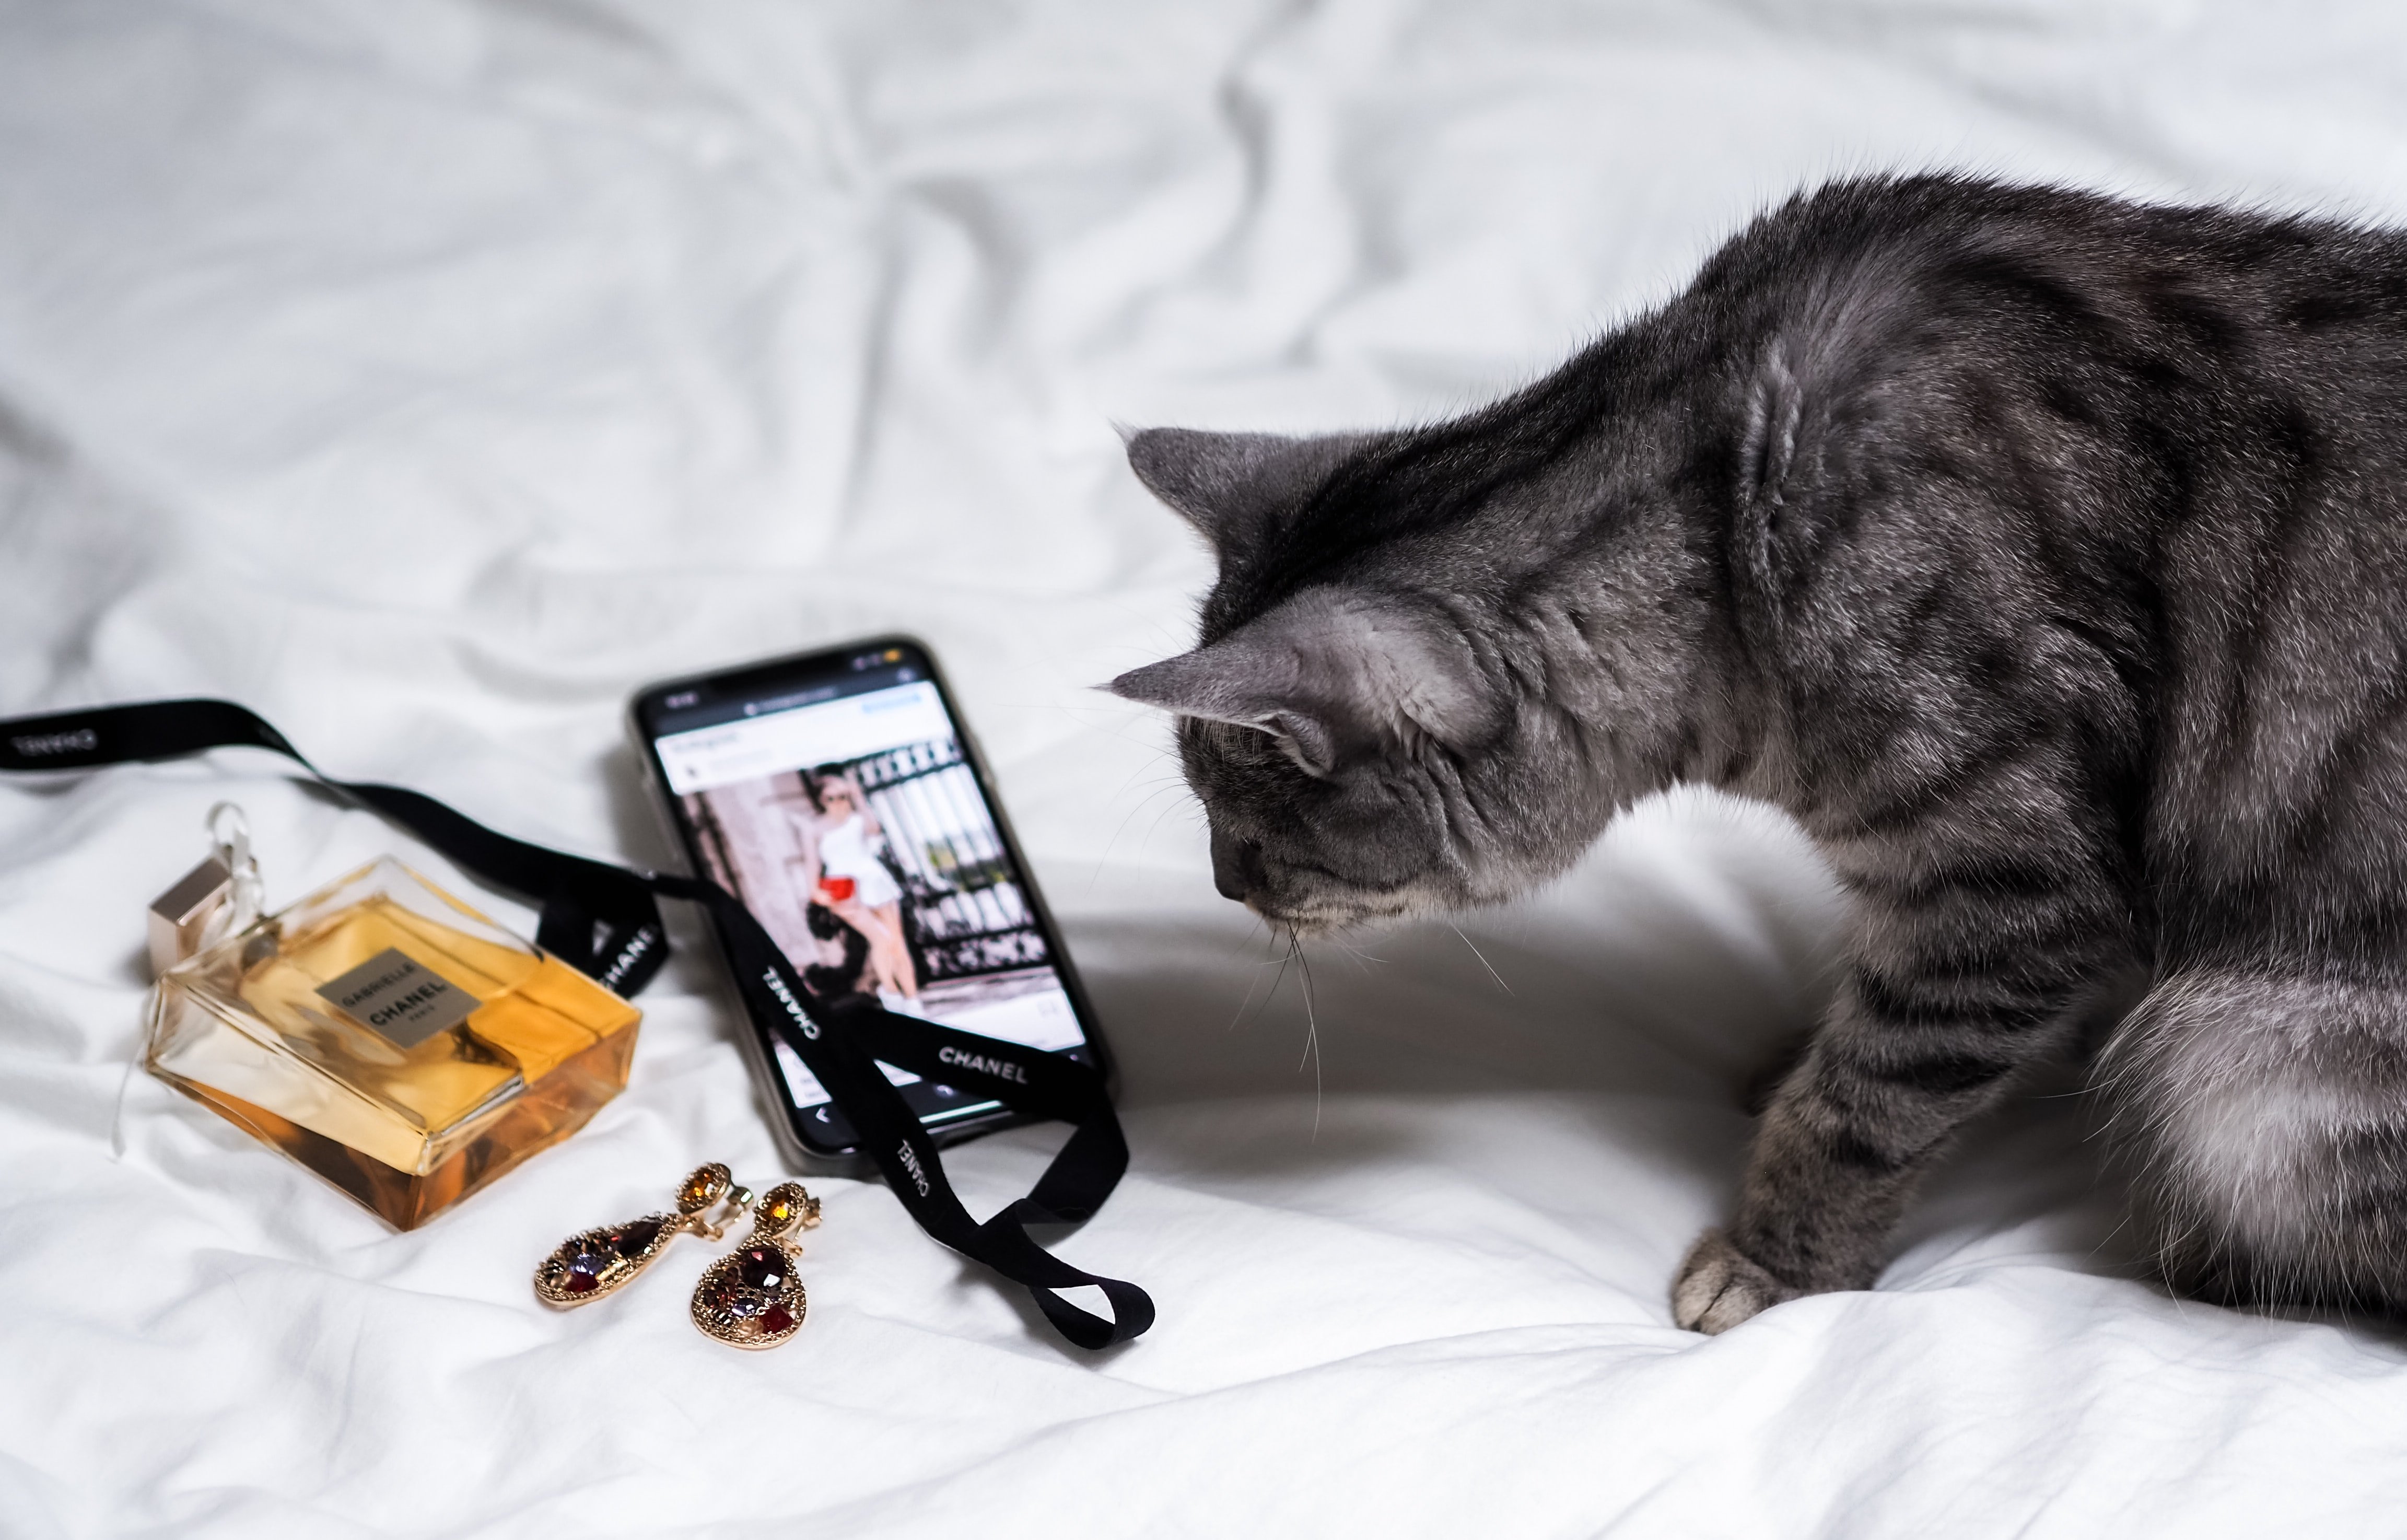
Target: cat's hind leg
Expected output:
[2263,1118]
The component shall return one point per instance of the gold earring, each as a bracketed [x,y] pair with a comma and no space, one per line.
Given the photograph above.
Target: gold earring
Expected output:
[587,1265]
[751,1297]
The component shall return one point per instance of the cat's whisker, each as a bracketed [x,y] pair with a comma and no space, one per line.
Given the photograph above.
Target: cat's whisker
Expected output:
[1155,828]
[1166,782]
[1482,956]
[1360,957]
[1311,1028]
[1129,817]
[2108,1239]
[1251,985]
[1280,977]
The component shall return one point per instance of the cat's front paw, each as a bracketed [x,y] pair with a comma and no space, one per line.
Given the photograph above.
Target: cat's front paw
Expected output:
[1720,1285]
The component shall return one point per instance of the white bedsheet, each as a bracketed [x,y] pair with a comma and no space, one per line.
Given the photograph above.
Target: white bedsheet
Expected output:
[428,376]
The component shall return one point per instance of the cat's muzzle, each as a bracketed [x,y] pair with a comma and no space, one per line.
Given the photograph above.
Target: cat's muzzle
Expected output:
[1237,868]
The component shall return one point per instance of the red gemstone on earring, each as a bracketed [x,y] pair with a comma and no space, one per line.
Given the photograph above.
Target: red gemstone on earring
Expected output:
[763,1267]
[580,1283]
[774,1320]
[631,1241]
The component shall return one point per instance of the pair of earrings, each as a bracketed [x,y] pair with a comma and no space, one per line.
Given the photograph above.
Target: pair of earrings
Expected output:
[750,1298]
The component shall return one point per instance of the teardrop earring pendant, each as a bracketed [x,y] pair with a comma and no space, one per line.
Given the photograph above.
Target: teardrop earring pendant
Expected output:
[751,1298]
[594,1262]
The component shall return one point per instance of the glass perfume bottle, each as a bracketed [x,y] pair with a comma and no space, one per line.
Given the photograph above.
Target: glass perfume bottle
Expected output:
[391,1039]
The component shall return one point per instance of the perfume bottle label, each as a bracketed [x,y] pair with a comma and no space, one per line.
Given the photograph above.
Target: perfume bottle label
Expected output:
[404,999]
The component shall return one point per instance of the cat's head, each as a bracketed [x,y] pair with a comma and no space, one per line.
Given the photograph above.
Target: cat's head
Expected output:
[1392,710]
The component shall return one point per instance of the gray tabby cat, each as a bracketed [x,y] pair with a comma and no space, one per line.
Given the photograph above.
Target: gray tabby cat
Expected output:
[2045,555]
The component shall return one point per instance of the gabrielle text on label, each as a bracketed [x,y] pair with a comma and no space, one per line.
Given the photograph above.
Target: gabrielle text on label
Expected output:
[399,998]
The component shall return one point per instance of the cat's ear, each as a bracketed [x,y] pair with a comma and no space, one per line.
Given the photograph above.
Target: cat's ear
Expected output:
[1334,677]
[1231,486]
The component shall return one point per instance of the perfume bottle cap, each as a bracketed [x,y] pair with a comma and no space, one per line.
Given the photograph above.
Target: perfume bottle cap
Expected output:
[215,899]
[180,916]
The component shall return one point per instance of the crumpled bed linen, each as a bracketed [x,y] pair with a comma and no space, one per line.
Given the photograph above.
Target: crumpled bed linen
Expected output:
[429,377]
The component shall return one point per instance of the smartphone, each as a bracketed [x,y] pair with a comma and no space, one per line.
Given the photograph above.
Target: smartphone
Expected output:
[837,794]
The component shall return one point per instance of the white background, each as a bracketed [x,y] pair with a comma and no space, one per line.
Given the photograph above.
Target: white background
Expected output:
[430,375]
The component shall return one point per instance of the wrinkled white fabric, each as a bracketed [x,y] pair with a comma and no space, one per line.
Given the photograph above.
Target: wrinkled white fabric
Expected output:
[429,377]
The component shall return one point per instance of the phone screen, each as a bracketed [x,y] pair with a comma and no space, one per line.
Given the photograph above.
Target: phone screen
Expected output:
[834,796]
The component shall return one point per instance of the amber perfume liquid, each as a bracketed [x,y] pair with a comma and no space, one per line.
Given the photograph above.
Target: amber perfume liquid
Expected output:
[394,1040]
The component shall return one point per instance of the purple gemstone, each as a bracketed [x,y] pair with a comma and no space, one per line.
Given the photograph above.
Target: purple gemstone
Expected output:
[762,1267]
[588,1261]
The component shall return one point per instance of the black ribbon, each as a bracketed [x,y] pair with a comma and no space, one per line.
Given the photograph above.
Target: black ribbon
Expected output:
[606,921]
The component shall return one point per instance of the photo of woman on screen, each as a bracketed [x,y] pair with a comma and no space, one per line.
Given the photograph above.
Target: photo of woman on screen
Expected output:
[839,839]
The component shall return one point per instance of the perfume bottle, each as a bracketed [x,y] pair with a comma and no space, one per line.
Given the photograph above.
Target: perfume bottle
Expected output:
[386,1035]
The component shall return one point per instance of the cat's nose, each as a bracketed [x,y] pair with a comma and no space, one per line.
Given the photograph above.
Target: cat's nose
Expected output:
[1237,867]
